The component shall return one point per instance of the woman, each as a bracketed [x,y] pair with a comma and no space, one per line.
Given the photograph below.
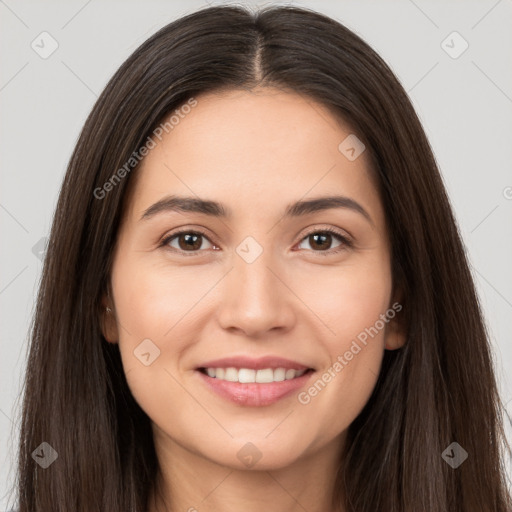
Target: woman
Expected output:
[255,294]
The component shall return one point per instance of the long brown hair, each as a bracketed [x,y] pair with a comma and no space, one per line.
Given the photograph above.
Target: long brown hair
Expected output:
[438,389]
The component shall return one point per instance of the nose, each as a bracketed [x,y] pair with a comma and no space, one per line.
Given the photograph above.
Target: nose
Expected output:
[256,299]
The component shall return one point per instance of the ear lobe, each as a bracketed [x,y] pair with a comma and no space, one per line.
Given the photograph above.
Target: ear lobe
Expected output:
[108,323]
[394,338]
[396,331]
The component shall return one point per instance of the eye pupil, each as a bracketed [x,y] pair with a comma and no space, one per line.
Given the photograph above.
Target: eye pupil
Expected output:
[322,237]
[190,241]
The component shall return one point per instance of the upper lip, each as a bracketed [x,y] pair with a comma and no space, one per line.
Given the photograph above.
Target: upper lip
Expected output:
[254,363]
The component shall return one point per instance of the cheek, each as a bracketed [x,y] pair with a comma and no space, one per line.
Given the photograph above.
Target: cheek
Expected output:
[153,299]
[159,310]
[155,305]
[348,303]
[347,299]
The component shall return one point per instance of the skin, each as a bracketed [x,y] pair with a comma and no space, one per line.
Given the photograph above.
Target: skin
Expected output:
[255,152]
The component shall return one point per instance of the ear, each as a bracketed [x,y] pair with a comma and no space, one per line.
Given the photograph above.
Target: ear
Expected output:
[396,330]
[108,322]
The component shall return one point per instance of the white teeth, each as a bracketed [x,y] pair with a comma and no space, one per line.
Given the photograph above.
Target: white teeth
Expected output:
[279,374]
[231,374]
[247,375]
[289,374]
[265,376]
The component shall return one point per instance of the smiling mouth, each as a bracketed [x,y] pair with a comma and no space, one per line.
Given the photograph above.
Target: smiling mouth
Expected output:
[249,375]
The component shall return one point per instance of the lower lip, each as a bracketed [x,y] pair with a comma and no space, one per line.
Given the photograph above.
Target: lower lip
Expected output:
[255,394]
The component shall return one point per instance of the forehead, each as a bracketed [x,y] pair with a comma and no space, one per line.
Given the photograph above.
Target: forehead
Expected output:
[255,150]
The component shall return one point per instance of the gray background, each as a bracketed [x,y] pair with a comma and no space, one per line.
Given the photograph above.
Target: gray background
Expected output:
[465,104]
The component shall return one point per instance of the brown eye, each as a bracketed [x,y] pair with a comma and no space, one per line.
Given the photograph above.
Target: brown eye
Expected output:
[188,241]
[322,241]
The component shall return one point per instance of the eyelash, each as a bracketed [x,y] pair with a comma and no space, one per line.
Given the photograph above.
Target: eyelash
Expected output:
[345,242]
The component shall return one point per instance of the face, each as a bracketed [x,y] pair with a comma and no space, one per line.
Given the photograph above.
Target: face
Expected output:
[295,300]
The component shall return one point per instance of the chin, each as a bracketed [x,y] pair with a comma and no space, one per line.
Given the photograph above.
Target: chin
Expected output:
[256,455]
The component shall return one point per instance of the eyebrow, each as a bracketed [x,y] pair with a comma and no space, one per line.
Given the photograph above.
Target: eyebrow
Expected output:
[215,209]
